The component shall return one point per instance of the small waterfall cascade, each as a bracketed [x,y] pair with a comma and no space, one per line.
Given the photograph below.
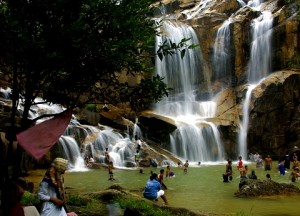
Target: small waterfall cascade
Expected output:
[70,151]
[162,9]
[244,125]
[137,133]
[80,141]
[120,149]
[254,3]
[258,68]
[202,144]
[197,9]
[260,59]
[222,53]
[180,74]
[242,3]
[42,108]
[195,139]
[93,143]
[5,92]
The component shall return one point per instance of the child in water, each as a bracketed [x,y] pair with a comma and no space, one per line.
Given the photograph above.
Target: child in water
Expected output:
[186,165]
[110,168]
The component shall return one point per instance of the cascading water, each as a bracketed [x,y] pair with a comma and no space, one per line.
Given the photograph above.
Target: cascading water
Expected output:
[259,67]
[197,9]
[260,59]
[180,74]
[244,125]
[79,141]
[221,58]
[121,150]
[195,139]
[69,148]
[5,92]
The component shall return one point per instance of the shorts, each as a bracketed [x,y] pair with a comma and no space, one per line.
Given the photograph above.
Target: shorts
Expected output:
[267,167]
[241,169]
[160,193]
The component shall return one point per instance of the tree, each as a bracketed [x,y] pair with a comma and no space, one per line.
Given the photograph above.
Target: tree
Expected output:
[72,52]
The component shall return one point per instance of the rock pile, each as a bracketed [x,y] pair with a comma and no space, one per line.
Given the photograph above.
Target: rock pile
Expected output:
[255,188]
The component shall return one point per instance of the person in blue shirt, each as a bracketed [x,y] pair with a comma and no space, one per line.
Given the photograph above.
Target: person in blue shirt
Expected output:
[153,189]
[281,168]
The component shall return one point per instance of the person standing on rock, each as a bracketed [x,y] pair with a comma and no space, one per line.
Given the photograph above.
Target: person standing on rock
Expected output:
[137,157]
[138,143]
[106,155]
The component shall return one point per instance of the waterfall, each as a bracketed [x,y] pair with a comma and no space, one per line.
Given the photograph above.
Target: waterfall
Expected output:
[222,53]
[70,151]
[244,125]
[197,143]
[5,92]
[180,74]
[196,10]
[253,3]
[80,141]
[195,139]
[259,67]
[260,59]
[242,3]
[137,133]
[162,8]
[120,149]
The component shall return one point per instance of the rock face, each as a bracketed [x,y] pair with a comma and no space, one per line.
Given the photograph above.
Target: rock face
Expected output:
[275,114]
[274,121]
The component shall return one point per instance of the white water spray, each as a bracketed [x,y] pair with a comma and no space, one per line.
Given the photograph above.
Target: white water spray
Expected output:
[195,139]
[222,52]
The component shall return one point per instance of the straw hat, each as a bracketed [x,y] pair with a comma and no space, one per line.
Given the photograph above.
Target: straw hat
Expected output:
[60,165]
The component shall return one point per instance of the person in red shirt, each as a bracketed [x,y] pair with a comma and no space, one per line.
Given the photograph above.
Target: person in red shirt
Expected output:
[161,178]
[240,165]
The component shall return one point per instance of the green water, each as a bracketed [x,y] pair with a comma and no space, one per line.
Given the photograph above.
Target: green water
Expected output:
[200,190]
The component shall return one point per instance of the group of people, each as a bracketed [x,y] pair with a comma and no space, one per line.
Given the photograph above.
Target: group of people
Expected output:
[295,174]
[242,169]
[155,186]
[283,166]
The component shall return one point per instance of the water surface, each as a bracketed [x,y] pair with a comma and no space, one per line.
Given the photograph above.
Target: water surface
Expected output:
[201,190]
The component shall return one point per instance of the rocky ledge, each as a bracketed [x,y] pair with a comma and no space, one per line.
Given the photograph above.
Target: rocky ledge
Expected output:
[255,188]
